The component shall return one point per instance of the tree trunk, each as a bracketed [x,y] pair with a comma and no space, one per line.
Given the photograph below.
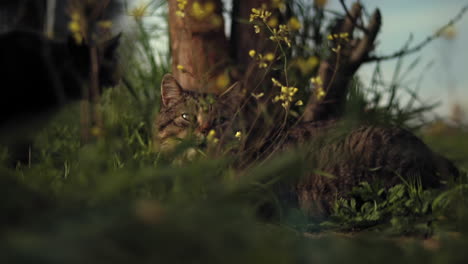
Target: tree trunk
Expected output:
[243,39]
[199,47]
[336,72]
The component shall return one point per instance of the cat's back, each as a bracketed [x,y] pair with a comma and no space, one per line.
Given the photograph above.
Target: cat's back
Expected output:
[366,153]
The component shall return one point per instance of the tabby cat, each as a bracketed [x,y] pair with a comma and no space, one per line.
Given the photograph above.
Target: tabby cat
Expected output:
[365,153]
[186,114]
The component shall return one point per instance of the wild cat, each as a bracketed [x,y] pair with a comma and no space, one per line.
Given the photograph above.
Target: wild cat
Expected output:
[365,153]
[186,113]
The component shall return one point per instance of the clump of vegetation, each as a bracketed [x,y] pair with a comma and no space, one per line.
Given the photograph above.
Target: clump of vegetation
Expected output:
[114,199]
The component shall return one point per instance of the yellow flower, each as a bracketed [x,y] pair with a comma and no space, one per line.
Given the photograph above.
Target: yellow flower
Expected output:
[287,94]
[181,4]
[139,11]
[299,103]
[252,53]
[75,27]
[257,96]
[306,66]
[275,82]
[259,13]
[257,29]
[222,80]
[269,56]
[316,80]
[180,13]
[319,91]
[337,36]
[294,23]
[273,22]
[281,34]
[211,137]
[105,24]
[238,135]
[337,49]
[200,11]
[211,134]
[181,8]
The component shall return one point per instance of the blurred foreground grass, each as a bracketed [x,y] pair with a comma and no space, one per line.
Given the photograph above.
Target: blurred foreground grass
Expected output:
[116,201]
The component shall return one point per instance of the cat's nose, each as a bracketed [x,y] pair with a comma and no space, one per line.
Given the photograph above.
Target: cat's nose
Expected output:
[204,128]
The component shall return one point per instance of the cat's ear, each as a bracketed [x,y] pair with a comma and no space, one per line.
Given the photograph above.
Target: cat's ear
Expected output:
[171,91]
[110,46]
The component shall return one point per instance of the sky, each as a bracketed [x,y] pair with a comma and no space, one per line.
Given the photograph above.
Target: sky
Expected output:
[446,81]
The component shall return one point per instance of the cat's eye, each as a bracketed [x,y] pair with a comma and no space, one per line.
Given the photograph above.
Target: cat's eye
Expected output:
[186,116]
[222,120]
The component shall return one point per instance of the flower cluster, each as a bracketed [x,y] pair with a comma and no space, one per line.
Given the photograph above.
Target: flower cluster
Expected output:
[306,65]
[211,137]
[260,13]
[281,34]
[318,84]
[200,11]
[337,36]
[105,24]
[287,94]
[222,80]
[203,11]
[238,135]
[181,8]
[257,96]
[294,24]
[139,11]
[76,27]
[263,60]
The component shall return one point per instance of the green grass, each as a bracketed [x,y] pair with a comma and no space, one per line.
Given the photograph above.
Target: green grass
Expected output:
[114,200]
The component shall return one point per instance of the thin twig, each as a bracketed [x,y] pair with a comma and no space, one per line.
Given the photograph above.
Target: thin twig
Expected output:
[421,45]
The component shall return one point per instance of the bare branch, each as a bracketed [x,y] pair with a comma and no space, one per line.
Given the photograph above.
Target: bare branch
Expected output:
[366,44]
[353,18]
[337,70]
[421,45]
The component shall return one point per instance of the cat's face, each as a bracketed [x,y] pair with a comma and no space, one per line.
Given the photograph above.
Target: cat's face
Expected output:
[187,114]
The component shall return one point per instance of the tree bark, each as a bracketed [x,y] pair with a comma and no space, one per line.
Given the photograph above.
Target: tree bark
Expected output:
[337,71]
[199,47]
[243,39]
